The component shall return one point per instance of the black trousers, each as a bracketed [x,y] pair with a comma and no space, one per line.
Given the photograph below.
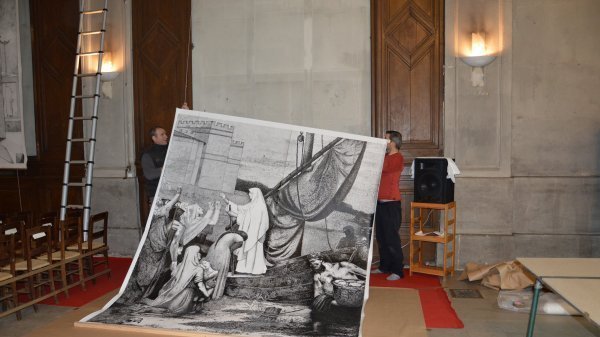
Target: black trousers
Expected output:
[388,217]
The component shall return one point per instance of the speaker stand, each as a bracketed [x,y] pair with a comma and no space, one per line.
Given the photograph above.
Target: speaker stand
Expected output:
[445,236]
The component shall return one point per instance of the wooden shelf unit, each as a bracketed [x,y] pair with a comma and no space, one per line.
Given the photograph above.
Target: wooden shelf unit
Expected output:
[448,226]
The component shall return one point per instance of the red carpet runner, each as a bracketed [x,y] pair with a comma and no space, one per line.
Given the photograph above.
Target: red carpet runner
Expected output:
[78,297]
[437,309]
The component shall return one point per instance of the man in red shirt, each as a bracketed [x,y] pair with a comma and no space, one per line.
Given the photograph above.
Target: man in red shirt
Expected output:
[388,215]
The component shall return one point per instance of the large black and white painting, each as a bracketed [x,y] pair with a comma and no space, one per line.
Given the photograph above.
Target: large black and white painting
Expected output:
[12,139]
[257,229]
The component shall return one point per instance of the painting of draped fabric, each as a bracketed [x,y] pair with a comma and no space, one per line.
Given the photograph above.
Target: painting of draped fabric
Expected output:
[12,139]
[257,229]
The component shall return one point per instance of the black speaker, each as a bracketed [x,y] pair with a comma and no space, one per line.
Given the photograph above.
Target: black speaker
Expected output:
[431,184]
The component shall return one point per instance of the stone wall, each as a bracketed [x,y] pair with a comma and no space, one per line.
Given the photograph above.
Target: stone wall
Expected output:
[528,142]
[292,61]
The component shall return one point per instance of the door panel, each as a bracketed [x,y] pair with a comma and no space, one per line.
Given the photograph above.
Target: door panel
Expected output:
[160,60]
[407,54]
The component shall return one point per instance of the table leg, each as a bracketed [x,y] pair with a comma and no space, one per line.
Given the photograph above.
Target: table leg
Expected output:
[534,305]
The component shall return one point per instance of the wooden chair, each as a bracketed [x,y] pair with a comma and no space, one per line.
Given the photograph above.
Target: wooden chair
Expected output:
[70,255]
[97,243]
[3,217]
[25,217]
[70,236]
[8,286]
[16,227]
[48,216]
[51,220]
[38,256]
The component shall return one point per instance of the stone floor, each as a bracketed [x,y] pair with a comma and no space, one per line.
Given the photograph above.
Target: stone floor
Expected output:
[10,327]
[481,317]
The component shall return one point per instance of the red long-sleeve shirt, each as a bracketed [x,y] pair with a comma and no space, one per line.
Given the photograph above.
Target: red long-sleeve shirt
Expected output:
[389,188]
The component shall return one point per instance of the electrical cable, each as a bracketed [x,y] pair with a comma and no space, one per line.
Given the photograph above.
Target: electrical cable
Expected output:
[19,188]
[187,61]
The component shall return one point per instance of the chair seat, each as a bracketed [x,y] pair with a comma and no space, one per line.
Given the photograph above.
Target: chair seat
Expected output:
[5,276]
[35,264]
[56,256]
[95,245]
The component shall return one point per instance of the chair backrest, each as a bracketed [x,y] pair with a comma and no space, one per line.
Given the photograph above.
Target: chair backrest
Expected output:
[38,244]
[7,252]
[48,215]
[26,217]
[71,233]
[16,228]
[74,212]
[98,228]
[51,219]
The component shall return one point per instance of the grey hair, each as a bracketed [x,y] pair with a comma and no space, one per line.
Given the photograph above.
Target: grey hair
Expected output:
[395,137]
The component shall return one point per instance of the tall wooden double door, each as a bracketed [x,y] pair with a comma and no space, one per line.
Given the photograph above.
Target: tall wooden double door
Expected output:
[407,85]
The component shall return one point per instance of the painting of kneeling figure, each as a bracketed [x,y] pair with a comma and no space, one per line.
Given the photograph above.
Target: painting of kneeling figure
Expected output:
[257,228]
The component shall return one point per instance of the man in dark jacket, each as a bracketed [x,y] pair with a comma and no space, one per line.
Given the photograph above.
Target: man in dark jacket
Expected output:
[153,159]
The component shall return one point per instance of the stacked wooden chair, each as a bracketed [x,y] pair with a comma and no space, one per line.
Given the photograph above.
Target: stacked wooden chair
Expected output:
[96,244]
[68,233]
[8,290]
[34,256]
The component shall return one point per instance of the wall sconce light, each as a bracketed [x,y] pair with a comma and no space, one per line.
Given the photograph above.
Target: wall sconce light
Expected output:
[108,74]
[478,59]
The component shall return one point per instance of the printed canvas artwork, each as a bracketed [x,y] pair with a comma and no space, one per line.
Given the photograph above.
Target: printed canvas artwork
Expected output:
[12,137]
[257,229]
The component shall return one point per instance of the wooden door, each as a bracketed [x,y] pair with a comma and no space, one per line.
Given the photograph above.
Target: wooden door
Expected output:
[54,26]
[407,84]
[408,87]
[161,45]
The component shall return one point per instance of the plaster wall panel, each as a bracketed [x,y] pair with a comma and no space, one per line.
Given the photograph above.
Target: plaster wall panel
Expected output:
[478,118]
[557,72]
[279,38]
[484,206]
[484,249]
[338,22]
[293,61]
[557,205]
[554,246]
[331,100]
[279,100]
[118,197]
[224,51]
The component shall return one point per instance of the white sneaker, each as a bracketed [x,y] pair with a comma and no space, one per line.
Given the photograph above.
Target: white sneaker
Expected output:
[393,277]
[376,271]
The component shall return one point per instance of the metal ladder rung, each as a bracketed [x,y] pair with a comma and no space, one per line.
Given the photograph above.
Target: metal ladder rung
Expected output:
[75,206]
[88,74]
[79,162]
[92,32]
[85,96]
[97,11]
[81,118]
[80,140]
[76,184]
[91,53]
